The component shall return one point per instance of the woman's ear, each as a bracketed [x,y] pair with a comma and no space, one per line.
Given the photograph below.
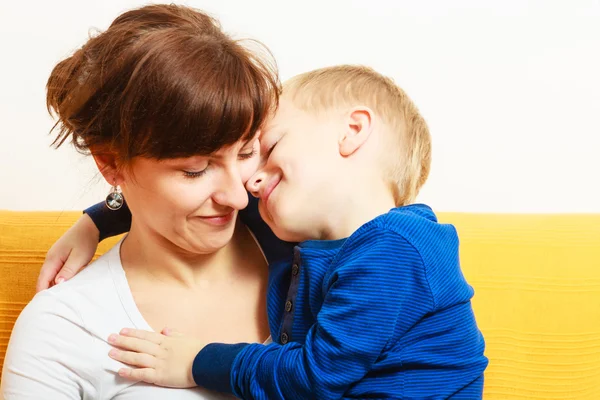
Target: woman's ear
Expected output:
[108,166]
[357,129]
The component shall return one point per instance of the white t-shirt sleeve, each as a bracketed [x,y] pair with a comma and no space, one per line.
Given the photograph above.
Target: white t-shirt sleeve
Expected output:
[46,355]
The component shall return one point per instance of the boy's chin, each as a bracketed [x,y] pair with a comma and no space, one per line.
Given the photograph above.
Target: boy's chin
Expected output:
[285,228]
[287,234]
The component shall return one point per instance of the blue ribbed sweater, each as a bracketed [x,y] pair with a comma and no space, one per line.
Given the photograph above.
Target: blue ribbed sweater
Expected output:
[384,314]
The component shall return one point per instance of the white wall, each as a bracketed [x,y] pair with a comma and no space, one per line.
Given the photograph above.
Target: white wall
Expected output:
[511,90]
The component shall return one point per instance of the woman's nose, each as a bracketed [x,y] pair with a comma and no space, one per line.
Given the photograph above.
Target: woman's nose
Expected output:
[232,192]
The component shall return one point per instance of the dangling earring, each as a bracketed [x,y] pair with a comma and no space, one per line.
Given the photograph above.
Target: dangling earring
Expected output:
[115,199]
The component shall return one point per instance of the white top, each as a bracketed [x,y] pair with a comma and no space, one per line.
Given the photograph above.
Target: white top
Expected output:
[59,350]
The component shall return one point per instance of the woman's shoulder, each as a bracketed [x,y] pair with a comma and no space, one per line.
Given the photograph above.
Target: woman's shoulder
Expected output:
[47,307]
[46,346]
[60,310]
[66,307]
[58,341]
[92,281]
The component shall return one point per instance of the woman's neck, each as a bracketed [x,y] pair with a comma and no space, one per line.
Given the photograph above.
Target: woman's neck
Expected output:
[146,255]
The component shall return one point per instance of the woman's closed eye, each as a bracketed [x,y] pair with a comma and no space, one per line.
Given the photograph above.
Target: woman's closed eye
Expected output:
[247,155]
[195,174]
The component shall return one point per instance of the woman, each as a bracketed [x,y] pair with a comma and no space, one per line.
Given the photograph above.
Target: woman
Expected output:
[159,77]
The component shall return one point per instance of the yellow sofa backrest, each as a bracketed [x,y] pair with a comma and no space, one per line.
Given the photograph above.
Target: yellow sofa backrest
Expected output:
[536,280]
[25,238]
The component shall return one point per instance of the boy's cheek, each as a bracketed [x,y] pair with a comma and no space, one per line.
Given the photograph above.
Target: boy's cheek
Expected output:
[262,162]
[249,169]
[266,216]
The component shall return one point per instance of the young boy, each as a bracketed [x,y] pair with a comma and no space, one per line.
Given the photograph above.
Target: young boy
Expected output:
[376,305]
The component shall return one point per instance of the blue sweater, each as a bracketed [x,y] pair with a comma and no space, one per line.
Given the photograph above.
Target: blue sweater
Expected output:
[385,313]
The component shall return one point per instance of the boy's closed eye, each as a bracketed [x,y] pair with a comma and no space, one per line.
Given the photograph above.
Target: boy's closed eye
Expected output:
[270,150]
[268,145]
[265,152]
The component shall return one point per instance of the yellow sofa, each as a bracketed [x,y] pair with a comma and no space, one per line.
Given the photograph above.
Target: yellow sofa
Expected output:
[536,280]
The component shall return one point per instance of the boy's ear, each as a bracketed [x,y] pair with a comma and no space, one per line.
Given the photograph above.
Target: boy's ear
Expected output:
[107,165]
[357,129]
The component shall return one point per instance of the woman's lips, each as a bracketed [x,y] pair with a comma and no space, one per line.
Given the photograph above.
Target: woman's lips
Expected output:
[218,220]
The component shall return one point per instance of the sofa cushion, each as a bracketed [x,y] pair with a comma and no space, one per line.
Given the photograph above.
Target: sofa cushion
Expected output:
[536,280]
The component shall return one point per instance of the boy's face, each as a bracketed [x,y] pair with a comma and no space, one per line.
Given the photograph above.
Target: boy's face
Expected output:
[294,183]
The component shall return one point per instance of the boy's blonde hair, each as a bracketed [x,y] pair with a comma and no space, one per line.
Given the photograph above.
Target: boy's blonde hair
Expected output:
[408,150]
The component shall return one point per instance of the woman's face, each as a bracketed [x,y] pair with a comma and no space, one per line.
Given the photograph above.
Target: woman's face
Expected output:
[192,202]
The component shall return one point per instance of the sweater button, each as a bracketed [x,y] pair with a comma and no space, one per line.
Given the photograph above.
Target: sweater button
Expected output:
[284,338]
[295,270]
[288,306]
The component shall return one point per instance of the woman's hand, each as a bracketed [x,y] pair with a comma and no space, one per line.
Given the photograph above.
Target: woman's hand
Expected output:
[162,359]
[73,251]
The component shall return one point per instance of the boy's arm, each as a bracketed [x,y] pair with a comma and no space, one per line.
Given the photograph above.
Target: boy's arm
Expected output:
[379,294]
[75,249]
[110,222]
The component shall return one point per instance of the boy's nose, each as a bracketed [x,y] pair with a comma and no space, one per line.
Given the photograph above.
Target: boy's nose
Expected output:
[255,183]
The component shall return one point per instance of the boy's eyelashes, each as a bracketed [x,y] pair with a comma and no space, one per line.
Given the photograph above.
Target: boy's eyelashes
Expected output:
[267,146]
[264,155]
[270,149]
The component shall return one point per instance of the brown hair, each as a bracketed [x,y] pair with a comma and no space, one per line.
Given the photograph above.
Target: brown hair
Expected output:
[406,152]
[163,81]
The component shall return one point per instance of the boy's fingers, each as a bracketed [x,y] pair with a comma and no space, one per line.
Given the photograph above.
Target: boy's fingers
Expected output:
[153,337]
[74,263]
[134,359]
[171,332]
[48,272]
[147,375]
[134,344]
